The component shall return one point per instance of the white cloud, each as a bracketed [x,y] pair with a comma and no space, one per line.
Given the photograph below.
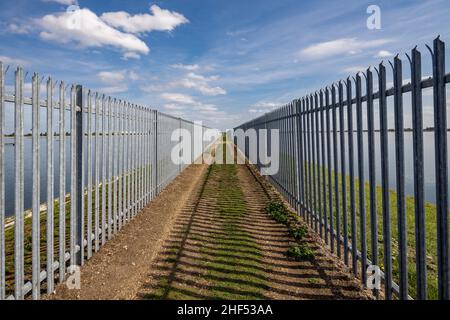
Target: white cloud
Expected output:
[339,46]
[159,20]
[188,67]
[236,33]
[201,83]
[111,76]
[131,55]
[205,108]
[88,30]
[13,61]
[383,54]
[133,76]
[120,88]
[19,29]
[176,113]
[178,102]
[178,98]
[171,106]
[354,69]
[153,87]
[66,2]
[192,81]
[264,106]
[116,76]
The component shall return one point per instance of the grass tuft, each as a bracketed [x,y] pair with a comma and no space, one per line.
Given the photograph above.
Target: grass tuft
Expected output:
[300,252]
[277,211]
[299,232]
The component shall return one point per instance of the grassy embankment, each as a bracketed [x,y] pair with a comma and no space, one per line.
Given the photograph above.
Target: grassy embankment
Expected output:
[430,230]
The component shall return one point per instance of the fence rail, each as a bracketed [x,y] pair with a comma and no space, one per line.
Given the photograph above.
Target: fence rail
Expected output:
[112,158]
[318,142]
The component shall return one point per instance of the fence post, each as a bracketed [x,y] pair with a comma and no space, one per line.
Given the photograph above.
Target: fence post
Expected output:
[2,185]
[79,173]
[384,151]
[203,145]
[419,203]
[441,159]
[179,141]
[156,153]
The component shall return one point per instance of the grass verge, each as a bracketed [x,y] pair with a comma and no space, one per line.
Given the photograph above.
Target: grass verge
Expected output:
[430,228]
[280,213]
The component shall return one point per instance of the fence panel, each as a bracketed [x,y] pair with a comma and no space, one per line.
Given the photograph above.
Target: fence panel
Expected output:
[92,170]
[334,200]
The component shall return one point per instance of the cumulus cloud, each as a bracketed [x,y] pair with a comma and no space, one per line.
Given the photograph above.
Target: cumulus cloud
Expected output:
[116,76]
[111,76]
[354,69]
[120,88]
[19,28]
[383,54]
[178,98]
[131,55]
[264,106]
[159,20]
[188,67]
[179,102]
[201,83]
[191,81]
[133,76]
[86,29]
[153,87]
[13,61]
[339,46]
[171,106]
[205,108]
[65,2]
[176,113]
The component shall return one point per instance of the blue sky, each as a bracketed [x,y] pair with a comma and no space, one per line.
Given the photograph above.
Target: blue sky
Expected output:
[222,62]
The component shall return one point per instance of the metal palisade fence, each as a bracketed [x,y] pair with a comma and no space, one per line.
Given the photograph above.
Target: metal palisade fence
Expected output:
[343,168]
[99,160]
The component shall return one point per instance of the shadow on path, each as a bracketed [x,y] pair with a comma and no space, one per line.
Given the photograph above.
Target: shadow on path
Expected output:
[224,246]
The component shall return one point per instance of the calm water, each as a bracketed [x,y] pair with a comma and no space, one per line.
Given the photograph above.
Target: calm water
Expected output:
[28,172]
[429,167]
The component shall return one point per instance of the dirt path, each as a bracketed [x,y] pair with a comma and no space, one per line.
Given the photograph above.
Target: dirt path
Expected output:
[320,278]
[119,269]
[226,247]
[207,236]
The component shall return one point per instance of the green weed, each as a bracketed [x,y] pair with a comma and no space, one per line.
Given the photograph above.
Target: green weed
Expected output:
[300,252]
[298,232]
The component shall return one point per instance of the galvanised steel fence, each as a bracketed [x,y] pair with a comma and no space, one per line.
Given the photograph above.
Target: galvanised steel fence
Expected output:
[337,175]
[108,159]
